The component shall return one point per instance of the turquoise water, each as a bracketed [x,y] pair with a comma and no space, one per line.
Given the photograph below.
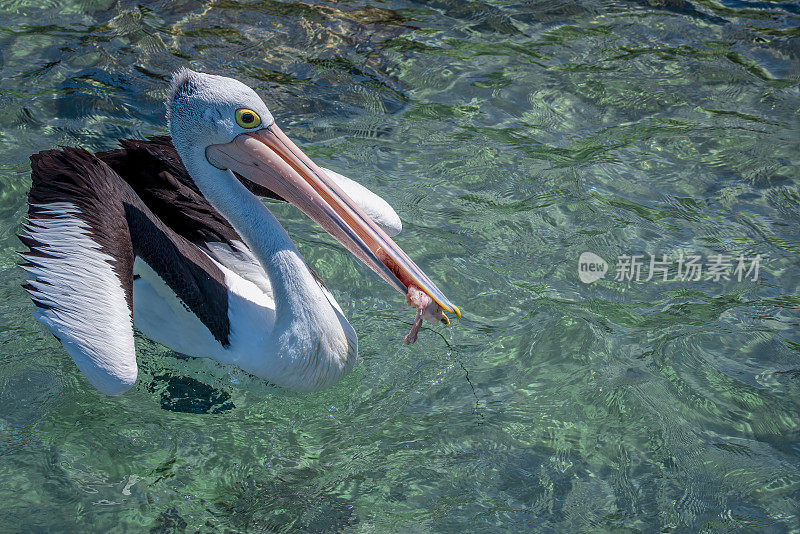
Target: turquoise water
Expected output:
[511,137]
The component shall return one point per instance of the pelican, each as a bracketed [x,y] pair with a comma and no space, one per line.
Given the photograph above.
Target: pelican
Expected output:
[171,235]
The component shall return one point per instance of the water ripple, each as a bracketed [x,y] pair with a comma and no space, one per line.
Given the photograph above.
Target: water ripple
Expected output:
[511,138]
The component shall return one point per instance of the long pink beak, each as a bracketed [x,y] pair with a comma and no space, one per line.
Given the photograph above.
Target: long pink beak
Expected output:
[270,159]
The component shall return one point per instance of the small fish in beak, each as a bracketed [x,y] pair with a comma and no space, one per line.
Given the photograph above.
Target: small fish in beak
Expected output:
[427,309]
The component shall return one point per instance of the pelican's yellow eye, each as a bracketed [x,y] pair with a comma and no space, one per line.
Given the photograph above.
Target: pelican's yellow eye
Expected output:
[247,118]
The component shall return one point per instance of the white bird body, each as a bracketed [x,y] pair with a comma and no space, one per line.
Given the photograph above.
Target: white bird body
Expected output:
[159,314]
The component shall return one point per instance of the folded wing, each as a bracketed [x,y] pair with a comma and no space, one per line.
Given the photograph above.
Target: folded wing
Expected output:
[85,229]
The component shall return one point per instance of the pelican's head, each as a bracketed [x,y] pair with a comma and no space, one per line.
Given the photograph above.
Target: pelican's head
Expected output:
[225,123]
[204,109]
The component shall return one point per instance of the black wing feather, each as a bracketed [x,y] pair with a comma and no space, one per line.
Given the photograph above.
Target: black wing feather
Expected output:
[155,172]
[124,226]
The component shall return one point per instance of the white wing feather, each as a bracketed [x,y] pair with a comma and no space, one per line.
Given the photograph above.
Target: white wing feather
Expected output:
[81,299]
[378,209]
